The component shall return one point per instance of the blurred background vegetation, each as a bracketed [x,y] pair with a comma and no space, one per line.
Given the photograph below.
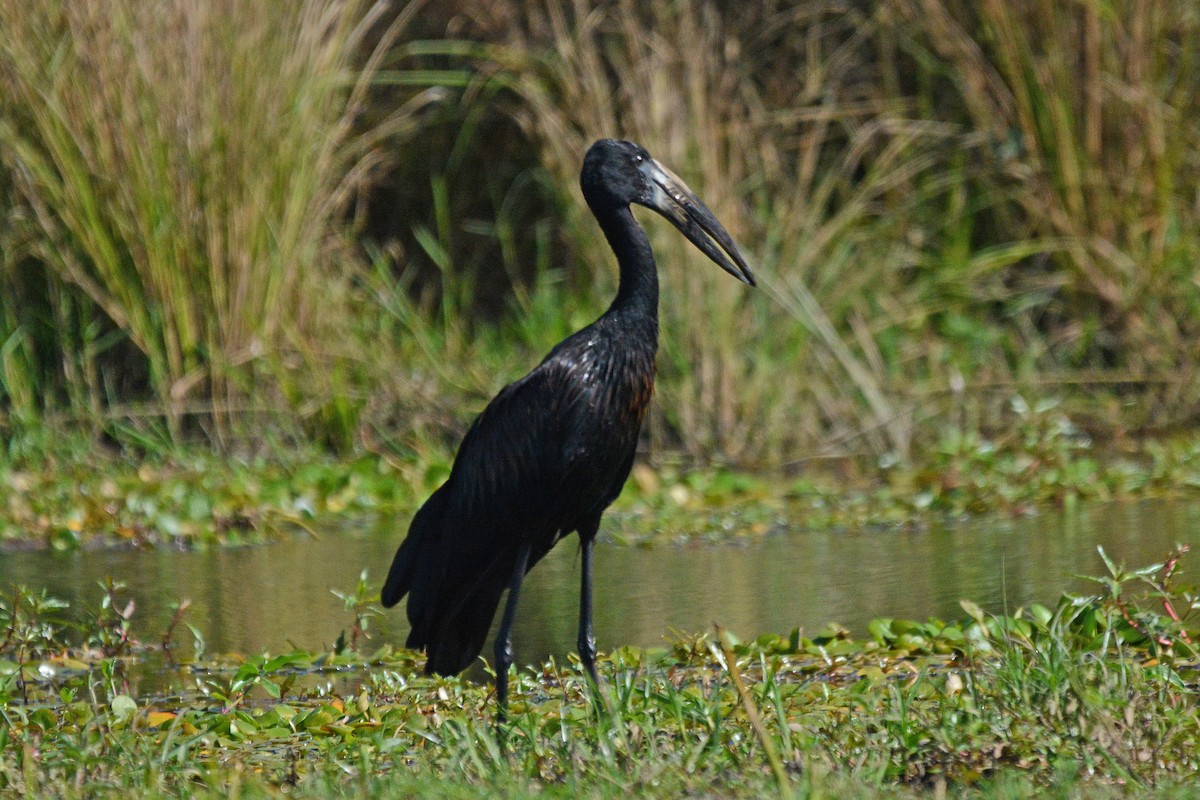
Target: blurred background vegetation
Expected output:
[351,223]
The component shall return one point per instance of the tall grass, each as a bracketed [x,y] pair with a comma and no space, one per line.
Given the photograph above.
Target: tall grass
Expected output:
[946,203]
[942,198]
[1092,113]
[741,376]
[185,166]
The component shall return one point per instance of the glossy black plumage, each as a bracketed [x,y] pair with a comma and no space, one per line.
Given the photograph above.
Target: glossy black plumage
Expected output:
[552,450]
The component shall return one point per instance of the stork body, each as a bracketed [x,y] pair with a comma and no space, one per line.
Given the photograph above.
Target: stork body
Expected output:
[551,451]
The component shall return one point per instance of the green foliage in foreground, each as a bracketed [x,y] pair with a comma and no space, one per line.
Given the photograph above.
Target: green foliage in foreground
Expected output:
[1094,697]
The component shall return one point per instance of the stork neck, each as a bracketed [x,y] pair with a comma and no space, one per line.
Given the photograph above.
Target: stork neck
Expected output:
[638,291]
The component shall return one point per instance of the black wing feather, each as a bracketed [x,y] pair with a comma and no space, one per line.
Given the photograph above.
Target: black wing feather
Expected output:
[462,544]
[424,527]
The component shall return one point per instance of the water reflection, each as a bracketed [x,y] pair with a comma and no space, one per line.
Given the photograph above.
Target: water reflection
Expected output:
[277,597]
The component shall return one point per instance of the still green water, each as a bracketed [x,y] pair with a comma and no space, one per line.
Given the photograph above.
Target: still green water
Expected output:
[277,597]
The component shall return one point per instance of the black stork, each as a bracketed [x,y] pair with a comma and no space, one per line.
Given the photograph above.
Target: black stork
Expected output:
[552,450]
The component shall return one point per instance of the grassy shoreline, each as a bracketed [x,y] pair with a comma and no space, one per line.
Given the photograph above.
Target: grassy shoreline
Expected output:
[1094,697]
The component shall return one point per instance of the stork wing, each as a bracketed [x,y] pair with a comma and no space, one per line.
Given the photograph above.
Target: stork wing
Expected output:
[504,485]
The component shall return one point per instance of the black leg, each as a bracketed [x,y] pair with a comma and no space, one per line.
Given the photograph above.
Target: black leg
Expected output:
[504,651]
[587,639]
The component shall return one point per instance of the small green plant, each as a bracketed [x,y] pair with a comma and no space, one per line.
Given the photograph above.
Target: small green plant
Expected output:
[257,672]
[361,602]
[31,623]
[110,630]
[1163,633]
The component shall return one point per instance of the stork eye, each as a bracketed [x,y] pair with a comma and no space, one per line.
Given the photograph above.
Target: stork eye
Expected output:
[638,158]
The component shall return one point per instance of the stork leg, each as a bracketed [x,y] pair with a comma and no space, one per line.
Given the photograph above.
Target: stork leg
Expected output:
[504,650]
[586,643]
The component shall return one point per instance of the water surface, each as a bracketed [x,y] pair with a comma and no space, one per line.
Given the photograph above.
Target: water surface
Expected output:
[277,597]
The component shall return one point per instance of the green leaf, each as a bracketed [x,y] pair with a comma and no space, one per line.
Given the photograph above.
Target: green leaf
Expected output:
[1041,614]
[1108,563]
[123,707]
[973,611]
[881,630]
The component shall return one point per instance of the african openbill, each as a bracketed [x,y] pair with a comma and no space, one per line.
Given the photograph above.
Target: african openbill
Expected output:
[552,450]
